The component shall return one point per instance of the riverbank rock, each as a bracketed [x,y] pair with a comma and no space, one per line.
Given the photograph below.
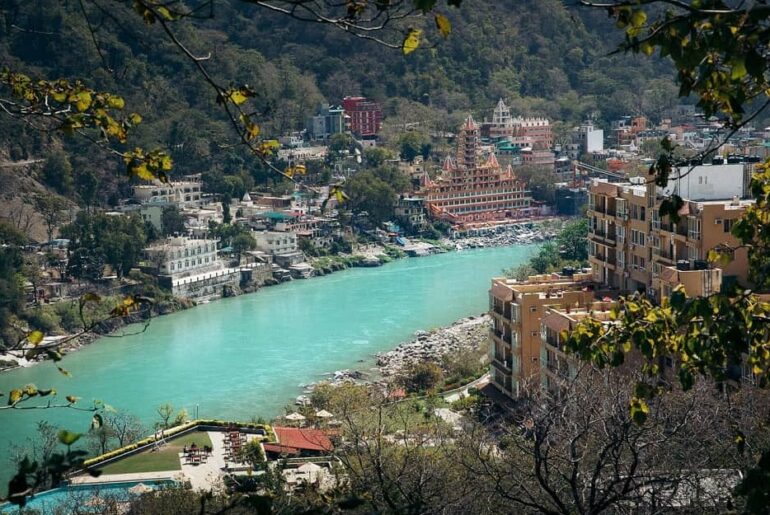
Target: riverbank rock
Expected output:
[465,334]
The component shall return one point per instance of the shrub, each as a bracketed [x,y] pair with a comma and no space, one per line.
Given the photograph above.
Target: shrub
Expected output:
[420,377]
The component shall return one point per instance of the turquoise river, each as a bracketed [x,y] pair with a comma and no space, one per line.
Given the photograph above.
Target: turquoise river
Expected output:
[246,356]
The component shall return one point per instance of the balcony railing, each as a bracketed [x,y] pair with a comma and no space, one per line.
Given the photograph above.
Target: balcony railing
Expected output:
[604,258]
[662,253]
[693,235]
[502,336]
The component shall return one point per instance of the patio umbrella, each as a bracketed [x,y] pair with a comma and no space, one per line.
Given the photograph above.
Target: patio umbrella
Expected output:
[323,414]
[139,489]
[294,416]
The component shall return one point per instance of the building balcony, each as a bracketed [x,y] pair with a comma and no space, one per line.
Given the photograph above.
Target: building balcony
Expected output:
[602,236]
[603,209]
[603,259]
[663,255]
[504,366]
[503,311]
[501,337]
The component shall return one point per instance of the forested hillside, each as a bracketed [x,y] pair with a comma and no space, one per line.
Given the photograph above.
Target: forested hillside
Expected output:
[539,56]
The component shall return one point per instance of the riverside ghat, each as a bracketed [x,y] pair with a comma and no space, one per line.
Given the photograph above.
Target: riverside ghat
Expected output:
[247,356]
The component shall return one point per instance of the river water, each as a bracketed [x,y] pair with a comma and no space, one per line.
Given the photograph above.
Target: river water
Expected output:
[246,356]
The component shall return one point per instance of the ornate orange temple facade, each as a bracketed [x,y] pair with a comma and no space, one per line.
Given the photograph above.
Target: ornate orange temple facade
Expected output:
[469,190]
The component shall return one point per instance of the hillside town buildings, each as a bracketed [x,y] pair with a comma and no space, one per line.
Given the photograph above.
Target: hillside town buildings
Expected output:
[328,121]
[365,116]
[534,133]
[633,248]
[470,189]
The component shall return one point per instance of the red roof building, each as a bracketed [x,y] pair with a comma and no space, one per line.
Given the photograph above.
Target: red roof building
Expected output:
[295,440]
[365,115]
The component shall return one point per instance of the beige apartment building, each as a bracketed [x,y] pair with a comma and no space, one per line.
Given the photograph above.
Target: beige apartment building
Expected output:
[556,365]
[516,308]
[631,248]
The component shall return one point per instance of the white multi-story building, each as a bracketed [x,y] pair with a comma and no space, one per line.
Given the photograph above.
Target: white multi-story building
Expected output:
[182,193]
[182,256]
[190,267]
[274,242]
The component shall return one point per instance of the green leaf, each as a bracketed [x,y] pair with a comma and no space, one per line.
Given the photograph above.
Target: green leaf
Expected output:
[443,25]
[15,396]
[35,337]
[30,390]
[740,441]
[116,102]
[68,437]
[83,101]
[738,68]
[639,411]
[411,41]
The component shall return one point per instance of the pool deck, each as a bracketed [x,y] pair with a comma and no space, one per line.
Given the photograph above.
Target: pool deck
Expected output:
[202,476]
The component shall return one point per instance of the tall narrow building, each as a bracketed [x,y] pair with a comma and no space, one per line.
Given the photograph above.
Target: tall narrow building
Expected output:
[473,189]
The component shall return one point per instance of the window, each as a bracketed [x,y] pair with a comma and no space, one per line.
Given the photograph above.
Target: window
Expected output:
[728,224]
[533,309]
[693,228]
[637,237]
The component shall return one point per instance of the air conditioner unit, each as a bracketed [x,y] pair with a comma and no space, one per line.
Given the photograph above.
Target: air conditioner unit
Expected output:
[717,221]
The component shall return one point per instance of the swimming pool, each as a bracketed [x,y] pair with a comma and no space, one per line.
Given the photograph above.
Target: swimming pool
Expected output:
[97,495]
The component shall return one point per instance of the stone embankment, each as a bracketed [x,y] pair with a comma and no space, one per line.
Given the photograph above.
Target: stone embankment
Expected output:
[503,235]
[465,334]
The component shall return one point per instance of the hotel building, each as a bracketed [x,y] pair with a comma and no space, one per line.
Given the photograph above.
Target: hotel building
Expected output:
[632,248]
[516,308]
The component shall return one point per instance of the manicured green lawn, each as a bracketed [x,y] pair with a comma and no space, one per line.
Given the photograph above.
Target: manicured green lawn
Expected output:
[166,458]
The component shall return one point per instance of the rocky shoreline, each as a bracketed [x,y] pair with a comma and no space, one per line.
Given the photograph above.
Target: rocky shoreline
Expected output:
[464,334]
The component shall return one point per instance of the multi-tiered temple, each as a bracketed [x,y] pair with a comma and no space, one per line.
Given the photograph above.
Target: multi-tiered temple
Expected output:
[472,189]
